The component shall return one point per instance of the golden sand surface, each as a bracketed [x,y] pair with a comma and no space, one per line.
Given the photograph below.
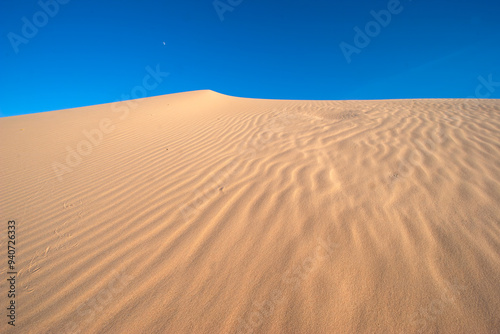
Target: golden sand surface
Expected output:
[199,212]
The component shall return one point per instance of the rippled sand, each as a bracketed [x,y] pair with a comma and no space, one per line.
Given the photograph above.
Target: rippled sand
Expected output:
[203,213]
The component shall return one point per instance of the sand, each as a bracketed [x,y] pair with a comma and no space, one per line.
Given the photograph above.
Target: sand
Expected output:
[199,212]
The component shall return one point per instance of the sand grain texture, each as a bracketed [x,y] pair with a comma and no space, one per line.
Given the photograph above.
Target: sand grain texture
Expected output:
[205,213]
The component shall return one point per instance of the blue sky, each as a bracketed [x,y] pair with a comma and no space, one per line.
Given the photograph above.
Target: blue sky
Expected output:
[91,52]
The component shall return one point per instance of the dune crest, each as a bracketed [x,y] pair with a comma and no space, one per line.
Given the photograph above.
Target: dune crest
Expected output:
[200,212]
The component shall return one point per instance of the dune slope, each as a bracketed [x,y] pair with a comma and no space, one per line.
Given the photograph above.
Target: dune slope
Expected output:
[204,213]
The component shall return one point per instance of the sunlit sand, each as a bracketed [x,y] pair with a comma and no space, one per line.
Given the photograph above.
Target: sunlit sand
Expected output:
[199,212]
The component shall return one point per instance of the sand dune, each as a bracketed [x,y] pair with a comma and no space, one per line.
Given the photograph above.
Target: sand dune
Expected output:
[204,213]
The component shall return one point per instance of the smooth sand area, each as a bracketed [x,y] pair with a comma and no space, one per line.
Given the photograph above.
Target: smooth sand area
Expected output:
[199,212]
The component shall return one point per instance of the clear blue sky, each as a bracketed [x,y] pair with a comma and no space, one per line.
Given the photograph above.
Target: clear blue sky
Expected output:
[90,52]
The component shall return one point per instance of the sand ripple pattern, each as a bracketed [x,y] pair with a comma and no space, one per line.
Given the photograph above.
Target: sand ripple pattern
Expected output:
[205,213]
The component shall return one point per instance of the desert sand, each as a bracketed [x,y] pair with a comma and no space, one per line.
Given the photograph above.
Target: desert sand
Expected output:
[199,212]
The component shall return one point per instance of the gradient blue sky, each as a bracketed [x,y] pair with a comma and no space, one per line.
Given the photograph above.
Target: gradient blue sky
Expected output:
[94,52]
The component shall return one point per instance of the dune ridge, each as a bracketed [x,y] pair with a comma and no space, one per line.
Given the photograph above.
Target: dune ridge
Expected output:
[199,212]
